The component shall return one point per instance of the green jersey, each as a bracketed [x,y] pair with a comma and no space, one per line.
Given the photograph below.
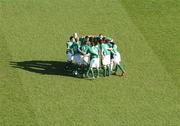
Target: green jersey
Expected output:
[110,45]
[97,38]
[113,46]
[94,52]
[82,39]
[84,49]
[75,48]
[69,44]
[114,50]
[104,48]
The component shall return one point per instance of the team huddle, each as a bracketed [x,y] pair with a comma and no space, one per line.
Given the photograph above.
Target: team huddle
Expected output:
[88,55]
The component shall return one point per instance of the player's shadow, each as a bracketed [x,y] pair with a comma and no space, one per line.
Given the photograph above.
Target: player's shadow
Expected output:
[42,67]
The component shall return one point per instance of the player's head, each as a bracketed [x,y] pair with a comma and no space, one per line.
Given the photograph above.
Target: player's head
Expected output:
[75,35]
[95,42]
[107,40]
[86,38]
[91,39]
[100,36]
[72,39]
[103,40]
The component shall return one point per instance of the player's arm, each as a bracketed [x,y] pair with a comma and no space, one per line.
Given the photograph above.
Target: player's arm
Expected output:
[88,53]
[110,49]
[102,51]
[67,47]
[81,51]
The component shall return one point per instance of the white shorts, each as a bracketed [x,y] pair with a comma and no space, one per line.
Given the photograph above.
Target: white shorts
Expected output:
[106,60]
[85,60]
[69,56]
[77,59]
[94,63]
[117,58]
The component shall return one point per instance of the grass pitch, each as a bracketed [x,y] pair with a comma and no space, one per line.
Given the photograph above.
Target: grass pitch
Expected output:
[33,33]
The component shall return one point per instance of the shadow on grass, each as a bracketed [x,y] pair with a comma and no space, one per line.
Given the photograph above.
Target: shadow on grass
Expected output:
[43,67]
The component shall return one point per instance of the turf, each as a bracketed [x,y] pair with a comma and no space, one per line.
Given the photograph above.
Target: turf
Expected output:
[35,91]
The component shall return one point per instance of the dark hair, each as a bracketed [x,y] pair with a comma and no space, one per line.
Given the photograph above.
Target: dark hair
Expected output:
[112,44]
[86,36]
[91,39]
[71,38]
[76,39]
[95,43]
[100,34]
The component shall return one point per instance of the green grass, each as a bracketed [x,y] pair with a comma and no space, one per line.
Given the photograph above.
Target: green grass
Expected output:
[147,33]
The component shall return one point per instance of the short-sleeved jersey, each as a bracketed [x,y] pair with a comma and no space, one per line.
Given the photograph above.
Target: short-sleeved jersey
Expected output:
[114,50]
[110,45]
[94,52]
[82,39]
[84,48]
[97,38]
[104,49]
[75,46]
[69,44]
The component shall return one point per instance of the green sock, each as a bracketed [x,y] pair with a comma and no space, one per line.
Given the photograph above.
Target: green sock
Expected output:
[97,72]
[83,69]
[92,70]
[104,71]
[116,68]
[121,67]
[87,74]
[108,71]
[76,67]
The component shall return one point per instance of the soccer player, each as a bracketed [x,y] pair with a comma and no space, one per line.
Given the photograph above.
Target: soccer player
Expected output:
[105,53]
[100,38]
[93,52]
[117,60]
[75,48]
[83,49]
[69,53]
[75,36]
[110,44]
[85,60]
